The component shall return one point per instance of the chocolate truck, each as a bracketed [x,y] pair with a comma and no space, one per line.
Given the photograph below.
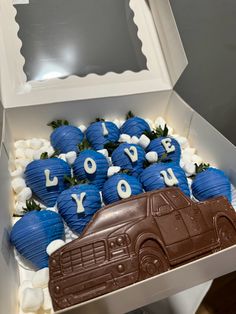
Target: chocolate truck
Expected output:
[138,238]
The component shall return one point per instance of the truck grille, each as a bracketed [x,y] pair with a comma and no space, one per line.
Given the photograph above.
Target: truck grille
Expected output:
[83,257]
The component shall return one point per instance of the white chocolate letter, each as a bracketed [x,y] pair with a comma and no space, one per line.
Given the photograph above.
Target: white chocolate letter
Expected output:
[90,166]
[49,183]
[126,192]
[79,201]
[166,142]
[170,178]
[132,153]
[104,129]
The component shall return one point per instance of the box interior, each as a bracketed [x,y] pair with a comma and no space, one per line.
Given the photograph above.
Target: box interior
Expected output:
[28,122]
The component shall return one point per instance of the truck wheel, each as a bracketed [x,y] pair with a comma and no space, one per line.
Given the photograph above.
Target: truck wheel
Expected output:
[227,233]
[152,260]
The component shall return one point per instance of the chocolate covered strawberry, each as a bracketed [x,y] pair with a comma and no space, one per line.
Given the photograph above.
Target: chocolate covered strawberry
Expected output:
[134,126]
[34,231]
[120,186]
[78,204]
[101,132]
[210,182]
[65,138]
[45,177]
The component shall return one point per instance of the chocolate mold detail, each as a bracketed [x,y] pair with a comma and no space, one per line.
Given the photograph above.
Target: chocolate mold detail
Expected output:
[131,240]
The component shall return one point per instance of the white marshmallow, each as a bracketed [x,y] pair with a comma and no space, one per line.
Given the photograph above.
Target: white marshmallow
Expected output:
[24,195]
[103,152]
[70,157]
[49,150]
[160,122]
[47,302]
[183,141]
[20,144]
[182,163]
[41,278]
[144,141]
[150,123]
[113,170]
[54,245]
[170,130]
[109,160]
[19,207]
[190,150]
[37,155]
[25,284]
[22,163]
[190,169]
[125,138]
[32,299]
[186,156]
[46,143]
[152,157]
[190,181]
[82,128]
[20,153]
[62,156]
[196,159]
[134,139]
[117,123]
[29,153]
[35,143]
[18,184]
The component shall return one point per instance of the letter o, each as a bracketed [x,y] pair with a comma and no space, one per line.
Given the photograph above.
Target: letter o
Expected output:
[90,166]
[126,192]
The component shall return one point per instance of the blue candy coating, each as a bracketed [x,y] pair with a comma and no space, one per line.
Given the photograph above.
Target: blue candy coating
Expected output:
[211,183]
[67,206]
[121,159]
[109,192]
[36,180]
[32,234]
[100,176]
[94,134]
[157,146]
[135,126]
[66,138]
[152,179]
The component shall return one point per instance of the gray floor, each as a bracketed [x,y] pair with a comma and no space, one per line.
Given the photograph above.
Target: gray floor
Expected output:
[207,28]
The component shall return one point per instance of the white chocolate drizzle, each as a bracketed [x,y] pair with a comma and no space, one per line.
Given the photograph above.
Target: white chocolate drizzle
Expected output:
[79,201]
[104,129]
[132,153]
[169,148]
[126,192]
[49,182]
[90,165]
[169,177]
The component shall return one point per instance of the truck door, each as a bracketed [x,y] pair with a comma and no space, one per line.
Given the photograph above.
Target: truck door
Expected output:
[172,227]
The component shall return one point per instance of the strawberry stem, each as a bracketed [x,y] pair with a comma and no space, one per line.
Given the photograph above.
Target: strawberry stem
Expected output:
[129,115]
[158,132]
[57,123]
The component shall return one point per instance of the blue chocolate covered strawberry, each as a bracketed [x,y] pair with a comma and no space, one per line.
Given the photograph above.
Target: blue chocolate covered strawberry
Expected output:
[45,177]
[134,126]
[92,166]
[120,186]
[165,146]
[65,138]
[34,231]
[161,175]
[210,182]
[130,157]
[101,132]
[78,204]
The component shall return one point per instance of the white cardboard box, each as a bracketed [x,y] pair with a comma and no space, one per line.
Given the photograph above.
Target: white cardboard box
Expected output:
[28,110]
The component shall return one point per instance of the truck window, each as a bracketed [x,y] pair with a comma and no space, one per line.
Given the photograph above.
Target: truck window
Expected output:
[160,205]
[177,199]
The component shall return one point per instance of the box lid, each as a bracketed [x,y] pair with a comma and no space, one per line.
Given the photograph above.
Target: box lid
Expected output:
[61,50]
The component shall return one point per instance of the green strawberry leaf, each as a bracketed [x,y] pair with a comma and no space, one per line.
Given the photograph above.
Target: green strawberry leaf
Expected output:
[111,146]
[157,132]
[30,206]
[202,167]
[129,115]
[84,145]
[73,181]
[57,123]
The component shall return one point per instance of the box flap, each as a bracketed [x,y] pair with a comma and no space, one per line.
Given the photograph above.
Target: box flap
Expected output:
[87,49]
